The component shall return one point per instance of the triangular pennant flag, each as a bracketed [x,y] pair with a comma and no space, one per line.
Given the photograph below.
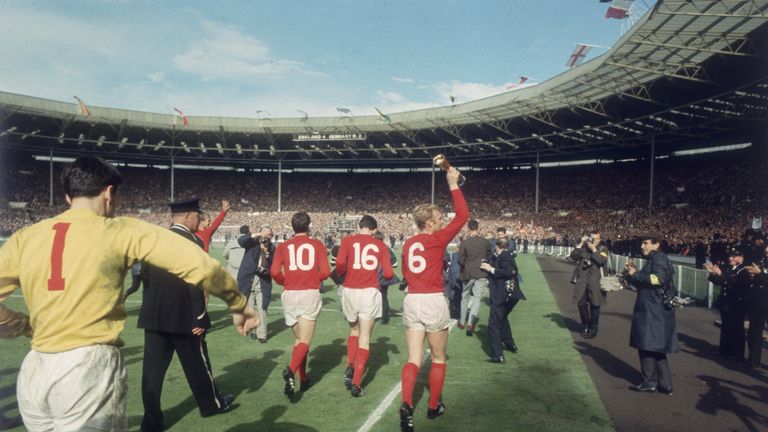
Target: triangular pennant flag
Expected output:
[83,107]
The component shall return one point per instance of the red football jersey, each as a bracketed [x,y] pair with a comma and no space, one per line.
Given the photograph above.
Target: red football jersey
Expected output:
[300,263]
[365,254]
[423,253]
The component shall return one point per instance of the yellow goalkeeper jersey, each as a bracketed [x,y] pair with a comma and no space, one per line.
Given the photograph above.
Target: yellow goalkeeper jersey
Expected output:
[71,270]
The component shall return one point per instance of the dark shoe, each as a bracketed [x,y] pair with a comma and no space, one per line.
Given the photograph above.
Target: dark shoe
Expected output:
[437,412]
[585,332]
[253,336]
[643,388]
[499,359]
[226,405]
[348,372]
[511,347]
[305,385]
[406,418]
[460,326]
[666,391]
[470,329]
[357,391]
[591,333]
[263,340]
[290,387]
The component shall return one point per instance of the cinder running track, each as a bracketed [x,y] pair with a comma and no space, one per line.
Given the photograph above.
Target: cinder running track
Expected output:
[710,393]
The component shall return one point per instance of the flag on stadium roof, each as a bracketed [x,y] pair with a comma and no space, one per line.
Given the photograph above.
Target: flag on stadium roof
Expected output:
[304,114]
[619,9]
[83,108]
[453,99]
[346,111]
[518,84]
[386,118]
[578,55]
[605,1]
[184,118]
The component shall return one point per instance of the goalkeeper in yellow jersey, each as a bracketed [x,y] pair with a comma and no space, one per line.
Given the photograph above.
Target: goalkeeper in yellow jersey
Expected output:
[71,269]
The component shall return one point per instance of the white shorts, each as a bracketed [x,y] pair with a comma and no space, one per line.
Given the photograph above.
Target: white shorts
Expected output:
[301,304]
[81,389]
[362,303]
[428,312]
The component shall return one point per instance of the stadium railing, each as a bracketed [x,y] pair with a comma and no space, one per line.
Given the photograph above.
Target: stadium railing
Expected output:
[690,282]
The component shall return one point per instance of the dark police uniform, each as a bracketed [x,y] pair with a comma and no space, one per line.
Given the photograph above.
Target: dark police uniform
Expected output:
[757,311]
[734,283]
[653,331]
[502,303]
[170,310]
[587,294]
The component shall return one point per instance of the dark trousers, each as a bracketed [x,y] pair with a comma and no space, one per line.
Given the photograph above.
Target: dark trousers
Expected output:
[755,334]
[454,300]
[193,355]
[499,331]
[732,331]
[384,304]
[655,369]
[589,314]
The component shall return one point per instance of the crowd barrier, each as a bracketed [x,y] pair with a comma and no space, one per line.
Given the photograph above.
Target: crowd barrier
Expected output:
[690,282]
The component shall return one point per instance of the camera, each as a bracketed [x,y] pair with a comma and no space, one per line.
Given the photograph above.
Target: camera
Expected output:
[266,241]
[262,271]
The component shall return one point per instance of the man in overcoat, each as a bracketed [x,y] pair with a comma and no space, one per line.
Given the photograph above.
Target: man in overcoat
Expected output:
[653,331]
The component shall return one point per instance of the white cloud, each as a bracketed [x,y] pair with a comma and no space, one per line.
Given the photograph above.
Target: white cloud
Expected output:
[467,91]
[227,53]
[403,80]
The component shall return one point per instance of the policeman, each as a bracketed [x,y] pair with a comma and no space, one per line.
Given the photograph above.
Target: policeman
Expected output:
[734,280]
[757,307]
[590,256]
[174,318]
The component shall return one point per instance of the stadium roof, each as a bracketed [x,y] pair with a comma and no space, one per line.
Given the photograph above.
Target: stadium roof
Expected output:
[689,73]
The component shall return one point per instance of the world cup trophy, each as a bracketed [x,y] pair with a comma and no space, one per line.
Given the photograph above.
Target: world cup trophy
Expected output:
[441,161]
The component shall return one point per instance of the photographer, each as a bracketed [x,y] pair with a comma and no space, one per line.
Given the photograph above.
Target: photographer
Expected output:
[253,275]
[590,256]
[653,331]
[505,294]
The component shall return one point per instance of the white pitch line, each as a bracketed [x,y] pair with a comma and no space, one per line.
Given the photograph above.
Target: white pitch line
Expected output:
[378,413]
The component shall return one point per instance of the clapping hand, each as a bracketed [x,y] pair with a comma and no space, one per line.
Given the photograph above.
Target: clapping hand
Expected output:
[713,269]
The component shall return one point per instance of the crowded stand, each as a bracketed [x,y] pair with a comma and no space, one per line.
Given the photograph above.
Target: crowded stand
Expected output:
[695,198]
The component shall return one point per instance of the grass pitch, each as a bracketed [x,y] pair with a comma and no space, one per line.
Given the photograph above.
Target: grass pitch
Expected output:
[544,387]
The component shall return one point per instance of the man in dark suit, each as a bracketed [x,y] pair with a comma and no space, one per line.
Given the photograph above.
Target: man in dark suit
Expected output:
[174,318]
[253,275]
[505,293]
[590,256]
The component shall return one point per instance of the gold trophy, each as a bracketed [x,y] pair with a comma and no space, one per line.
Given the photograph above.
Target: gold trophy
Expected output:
[441,161]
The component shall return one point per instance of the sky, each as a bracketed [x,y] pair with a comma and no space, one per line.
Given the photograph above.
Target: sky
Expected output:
[273,58]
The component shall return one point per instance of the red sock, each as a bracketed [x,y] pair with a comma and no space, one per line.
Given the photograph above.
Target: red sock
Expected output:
[360,361]
[303,370]
[299,353]
[436,381]
[410,372]
[351,349]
